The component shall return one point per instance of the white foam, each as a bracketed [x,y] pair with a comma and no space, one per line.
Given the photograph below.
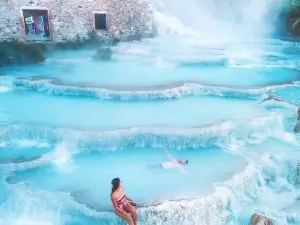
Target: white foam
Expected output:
[228,135]
[68,60]
[62,157]
[32,143]
[198,18]
[4,89]
[24,220]
[171,25]
[51,86]
[162,63]
[238,127]
[28,207]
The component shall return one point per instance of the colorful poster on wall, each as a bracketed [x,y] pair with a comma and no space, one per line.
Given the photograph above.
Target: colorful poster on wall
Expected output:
[29,20]
[41,28]
[30,25]
[36,24]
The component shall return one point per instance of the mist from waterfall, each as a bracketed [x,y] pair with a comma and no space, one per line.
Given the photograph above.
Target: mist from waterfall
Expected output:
[216,20]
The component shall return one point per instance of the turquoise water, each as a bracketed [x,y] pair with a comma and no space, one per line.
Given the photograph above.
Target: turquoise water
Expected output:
[72,124]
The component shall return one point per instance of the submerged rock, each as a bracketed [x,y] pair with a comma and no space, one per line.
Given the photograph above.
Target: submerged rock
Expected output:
[298,173]
[103,54]
[20,53]
[134,37]
[257,219]
[297,126]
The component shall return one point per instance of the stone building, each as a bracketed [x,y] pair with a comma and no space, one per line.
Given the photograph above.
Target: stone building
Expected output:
[60,20]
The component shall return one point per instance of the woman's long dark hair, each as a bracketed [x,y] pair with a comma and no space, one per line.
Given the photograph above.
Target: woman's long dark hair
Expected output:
[115,184]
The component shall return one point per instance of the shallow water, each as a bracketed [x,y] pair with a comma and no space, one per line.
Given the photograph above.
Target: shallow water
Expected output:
[37,109]
[72,124]
[65,174]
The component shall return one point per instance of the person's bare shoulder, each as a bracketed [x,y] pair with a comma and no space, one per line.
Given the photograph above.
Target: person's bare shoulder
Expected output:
[113,196]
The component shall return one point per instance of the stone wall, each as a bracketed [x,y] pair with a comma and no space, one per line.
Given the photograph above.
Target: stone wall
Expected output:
[68,18]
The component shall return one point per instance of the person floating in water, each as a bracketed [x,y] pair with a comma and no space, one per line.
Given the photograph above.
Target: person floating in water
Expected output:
[297,126]
[124,206]
[272,97]
[173,163]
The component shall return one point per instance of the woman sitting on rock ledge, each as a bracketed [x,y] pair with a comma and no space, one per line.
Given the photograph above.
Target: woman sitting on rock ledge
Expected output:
[124,206]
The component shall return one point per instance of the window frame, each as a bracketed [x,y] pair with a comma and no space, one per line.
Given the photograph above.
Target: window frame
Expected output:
[94,19]
[35,8]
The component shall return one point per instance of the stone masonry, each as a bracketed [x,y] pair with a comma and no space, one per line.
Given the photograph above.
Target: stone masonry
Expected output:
[69,18]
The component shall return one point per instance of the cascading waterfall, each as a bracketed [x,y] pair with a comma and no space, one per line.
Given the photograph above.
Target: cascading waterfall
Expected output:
[216,20]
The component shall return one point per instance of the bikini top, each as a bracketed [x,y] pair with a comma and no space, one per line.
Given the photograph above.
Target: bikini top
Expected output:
[121,200]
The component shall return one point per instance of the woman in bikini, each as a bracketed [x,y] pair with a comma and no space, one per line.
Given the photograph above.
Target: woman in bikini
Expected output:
[124,206]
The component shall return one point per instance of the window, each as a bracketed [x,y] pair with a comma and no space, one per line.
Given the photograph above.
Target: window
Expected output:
[36,24]
[100,21]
